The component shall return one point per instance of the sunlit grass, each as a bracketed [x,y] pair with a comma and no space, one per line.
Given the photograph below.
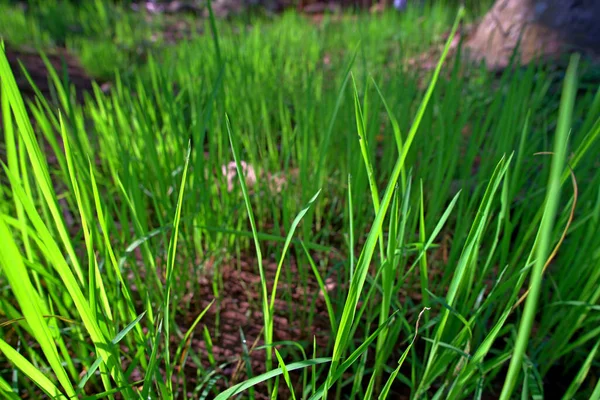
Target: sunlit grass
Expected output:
[425,196]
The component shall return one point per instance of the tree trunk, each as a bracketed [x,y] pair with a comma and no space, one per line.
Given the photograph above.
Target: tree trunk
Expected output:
[540,28]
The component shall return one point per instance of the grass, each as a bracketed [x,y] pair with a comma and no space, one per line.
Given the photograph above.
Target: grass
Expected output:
[456,211]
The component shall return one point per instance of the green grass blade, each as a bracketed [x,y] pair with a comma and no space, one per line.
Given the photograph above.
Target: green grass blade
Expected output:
[596,393]
[40,379]
[388,385]
[364,261]
[546,226]
[7,391]
[268,321]
[286,374]
[582,374]
[355,355]
[240,387]
[172,254]
[286,245]
[29,302]
[328,304]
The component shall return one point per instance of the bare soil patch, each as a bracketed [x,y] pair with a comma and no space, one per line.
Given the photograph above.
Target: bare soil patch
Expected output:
[64,63]
[237,311]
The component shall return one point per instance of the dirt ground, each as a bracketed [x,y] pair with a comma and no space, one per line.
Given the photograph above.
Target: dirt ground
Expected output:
[64,63]
[238,311]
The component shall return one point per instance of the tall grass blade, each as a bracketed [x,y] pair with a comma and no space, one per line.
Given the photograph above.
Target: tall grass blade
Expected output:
[546,225]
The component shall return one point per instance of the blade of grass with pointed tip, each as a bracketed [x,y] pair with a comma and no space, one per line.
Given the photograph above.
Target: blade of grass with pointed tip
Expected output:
[38,163]
[240,387]
[355,289]
[51,247]
[328,305]
[264,294]
[364,150]
[95,282]
[395,129]
[388,385]
[172,254]
[153,364]
[469,249]
[186,342]
[582,374]
[7,391]
[28,300]
[351,359]
[127,309]
[286,374]
[596,393]
[286,245]
[546,225]
[32,372]
[115,340]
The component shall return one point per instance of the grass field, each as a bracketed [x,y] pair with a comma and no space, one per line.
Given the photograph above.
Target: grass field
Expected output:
[408,232]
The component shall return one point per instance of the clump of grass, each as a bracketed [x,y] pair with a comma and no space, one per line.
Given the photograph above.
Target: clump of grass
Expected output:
[435,200]
[92,31]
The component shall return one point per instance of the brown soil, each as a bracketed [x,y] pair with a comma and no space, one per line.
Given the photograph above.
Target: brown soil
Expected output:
[61,61]
[235,322]
[237,311]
